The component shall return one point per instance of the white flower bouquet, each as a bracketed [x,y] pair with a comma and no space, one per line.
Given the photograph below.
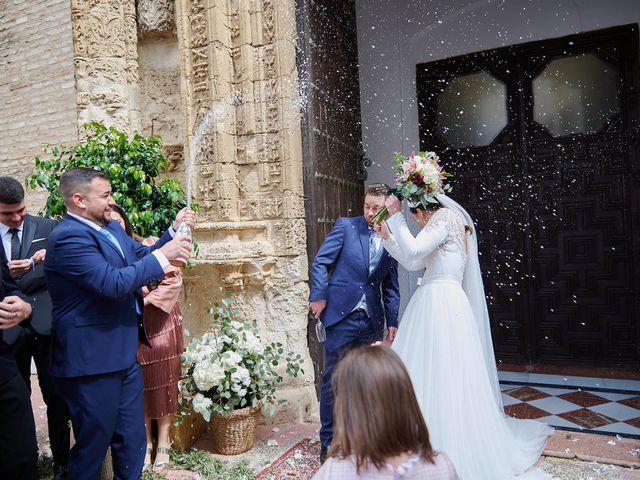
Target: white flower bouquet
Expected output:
[230,367]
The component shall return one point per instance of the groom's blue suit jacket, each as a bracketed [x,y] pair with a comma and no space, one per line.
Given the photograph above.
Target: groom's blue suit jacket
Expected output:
[340,275]
[93,291]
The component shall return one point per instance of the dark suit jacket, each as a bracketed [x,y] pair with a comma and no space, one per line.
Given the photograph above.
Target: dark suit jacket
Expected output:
[8,286]
[93,290]
[35,233]
[340,275]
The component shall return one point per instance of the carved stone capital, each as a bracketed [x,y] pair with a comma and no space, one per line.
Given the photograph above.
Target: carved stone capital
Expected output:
[155,16]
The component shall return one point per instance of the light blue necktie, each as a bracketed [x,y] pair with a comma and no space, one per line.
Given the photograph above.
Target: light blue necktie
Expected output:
[113,240]
[373,249]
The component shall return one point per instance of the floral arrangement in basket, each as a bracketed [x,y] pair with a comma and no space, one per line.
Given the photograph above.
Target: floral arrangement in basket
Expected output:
[419,178]
[230,367]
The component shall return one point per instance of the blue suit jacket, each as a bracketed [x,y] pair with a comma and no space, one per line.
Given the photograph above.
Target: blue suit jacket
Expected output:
[340,274]
[93,292]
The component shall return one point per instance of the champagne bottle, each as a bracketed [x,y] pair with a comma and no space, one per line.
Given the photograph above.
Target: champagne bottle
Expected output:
[183,231]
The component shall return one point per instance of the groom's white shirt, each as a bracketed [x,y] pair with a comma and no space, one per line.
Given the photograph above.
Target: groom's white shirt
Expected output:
[373,264]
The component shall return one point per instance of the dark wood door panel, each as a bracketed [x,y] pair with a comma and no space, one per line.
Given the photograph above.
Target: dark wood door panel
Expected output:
[582,248]
[496,201]
[558,217]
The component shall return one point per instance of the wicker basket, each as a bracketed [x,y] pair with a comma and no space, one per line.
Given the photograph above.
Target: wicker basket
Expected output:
[234,434]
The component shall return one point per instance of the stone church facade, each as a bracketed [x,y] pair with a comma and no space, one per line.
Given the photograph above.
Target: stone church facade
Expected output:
[161,67]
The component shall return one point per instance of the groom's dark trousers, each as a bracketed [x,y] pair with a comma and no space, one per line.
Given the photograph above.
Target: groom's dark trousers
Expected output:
[342,272]
[94,281]
[354,329]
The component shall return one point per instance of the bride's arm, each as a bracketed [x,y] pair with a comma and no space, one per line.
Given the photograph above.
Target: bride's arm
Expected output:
[416,247]
[409,264]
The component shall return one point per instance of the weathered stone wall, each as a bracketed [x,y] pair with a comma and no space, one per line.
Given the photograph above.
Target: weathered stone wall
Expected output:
[160,102]
[37,87]
[238,62]
[105,50]
[237,70]
[161,67]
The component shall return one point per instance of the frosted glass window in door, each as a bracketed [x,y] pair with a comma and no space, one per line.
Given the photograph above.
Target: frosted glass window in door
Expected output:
[472,110]
[575,95]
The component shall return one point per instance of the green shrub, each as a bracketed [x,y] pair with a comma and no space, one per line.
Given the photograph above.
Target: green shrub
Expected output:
[132,165]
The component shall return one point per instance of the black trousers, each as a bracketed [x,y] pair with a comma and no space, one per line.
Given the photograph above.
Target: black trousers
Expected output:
[32,345]
[18,444]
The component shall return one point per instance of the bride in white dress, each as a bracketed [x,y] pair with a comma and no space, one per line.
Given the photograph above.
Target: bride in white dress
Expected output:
[445,342]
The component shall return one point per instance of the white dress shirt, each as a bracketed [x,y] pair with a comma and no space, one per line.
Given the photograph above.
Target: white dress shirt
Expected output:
[6,238]
[377,240]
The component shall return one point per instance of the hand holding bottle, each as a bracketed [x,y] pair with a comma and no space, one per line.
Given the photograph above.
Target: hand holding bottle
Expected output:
[186,215]
[177,250]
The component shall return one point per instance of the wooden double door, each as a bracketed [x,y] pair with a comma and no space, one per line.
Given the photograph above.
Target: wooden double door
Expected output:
[334,164]
[543,142]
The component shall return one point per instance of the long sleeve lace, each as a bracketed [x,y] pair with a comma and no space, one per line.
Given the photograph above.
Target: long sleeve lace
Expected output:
[429,238]
[409,264]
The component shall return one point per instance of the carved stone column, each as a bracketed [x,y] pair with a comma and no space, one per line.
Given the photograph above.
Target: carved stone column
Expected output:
[238,62]
[106,61]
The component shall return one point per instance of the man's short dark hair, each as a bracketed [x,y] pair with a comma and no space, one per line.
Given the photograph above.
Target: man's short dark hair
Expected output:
[10,191]
[377,189]
[76,179]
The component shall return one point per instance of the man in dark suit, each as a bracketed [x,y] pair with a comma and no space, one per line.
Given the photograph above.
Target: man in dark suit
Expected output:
[24,242]
[95,272]
[18,445]
[354,289]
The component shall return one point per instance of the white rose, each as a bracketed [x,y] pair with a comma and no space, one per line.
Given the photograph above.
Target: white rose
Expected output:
[236,325]
[241,376]
[201,403]
[251,343]
[231,358]
[202,376]
[218,373]
[207,375]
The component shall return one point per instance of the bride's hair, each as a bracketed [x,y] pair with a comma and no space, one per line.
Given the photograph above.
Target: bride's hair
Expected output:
[376,413]
[432,207]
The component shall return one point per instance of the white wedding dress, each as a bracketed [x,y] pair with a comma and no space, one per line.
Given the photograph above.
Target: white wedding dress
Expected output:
[445,343]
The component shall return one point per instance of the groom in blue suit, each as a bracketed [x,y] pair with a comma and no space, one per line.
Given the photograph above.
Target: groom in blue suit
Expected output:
[354,290]
[95,272]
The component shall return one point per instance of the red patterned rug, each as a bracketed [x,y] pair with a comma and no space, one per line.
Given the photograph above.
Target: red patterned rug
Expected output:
[300,462]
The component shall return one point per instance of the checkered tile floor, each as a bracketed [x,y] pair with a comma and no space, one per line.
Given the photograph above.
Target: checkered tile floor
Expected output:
[583,404]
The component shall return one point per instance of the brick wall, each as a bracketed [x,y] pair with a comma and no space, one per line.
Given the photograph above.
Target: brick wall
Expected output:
[37,86]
